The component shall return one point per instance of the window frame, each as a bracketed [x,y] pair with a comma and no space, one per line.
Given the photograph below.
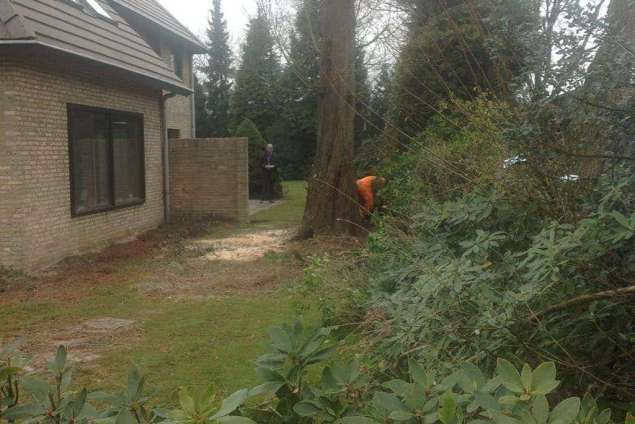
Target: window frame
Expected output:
[113,206]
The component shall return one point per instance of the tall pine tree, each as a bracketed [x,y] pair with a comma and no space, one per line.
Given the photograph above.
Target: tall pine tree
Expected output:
[219,73]
[256,93]
[299,92]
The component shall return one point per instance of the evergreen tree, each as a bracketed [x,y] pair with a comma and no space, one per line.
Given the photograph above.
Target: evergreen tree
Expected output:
[330,208]
[455,49]
[256,93]
[299,93]
[257,145]
[379,101]
[202,116]
[371,152]
[219,73]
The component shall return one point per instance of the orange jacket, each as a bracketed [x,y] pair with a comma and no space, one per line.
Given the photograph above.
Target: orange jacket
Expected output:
[366,193]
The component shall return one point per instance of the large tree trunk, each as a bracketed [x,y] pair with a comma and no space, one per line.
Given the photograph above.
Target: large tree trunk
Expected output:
[332,198]
[611,73]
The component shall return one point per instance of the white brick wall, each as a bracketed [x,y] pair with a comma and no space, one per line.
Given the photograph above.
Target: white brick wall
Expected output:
[35,188]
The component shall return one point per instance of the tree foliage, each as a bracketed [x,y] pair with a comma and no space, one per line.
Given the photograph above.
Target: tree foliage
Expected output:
[219,73]
[455,49]
[256,86]
[257,145]
[299,89]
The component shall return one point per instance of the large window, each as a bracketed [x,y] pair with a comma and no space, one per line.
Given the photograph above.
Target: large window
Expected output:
[106,159]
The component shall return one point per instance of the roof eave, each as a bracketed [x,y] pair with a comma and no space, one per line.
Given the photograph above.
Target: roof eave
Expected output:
[192,41]
[172,86]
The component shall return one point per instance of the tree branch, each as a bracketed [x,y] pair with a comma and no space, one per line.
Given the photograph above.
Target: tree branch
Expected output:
[587,298]
[591,156]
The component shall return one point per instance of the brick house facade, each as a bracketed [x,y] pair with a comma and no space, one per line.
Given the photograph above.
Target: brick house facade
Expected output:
[40,228]
[63,190]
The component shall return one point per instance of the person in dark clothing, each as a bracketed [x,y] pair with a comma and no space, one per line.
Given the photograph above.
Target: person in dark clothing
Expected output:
[268,173]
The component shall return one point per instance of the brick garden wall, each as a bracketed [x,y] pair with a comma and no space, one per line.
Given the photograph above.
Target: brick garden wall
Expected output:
[210,177]
[35,200]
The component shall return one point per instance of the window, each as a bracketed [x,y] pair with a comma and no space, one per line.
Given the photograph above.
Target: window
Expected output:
[106,159]
[97,8]
[177,64]
[93,7]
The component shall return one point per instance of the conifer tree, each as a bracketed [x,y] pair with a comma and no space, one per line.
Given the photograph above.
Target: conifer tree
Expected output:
[379,102]
[257,144]
[202,116]
[219,73]
[256,93]
[299,92]
[330,206]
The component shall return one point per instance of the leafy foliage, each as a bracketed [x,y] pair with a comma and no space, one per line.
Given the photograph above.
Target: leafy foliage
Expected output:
[28,398]
[347,393]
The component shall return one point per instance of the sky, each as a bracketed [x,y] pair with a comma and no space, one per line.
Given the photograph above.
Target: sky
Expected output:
[194,13]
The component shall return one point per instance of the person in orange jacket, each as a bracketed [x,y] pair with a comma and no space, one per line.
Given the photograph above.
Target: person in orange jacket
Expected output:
[367,188]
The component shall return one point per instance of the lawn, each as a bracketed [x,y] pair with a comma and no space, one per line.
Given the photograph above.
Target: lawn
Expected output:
[289,214]
[190,340]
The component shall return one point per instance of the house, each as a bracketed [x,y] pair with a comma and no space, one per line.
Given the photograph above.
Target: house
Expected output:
[90,93]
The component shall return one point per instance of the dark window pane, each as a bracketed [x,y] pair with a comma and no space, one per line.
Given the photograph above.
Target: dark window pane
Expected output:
[177,64]
[174,134]
[127,139]
[91,164]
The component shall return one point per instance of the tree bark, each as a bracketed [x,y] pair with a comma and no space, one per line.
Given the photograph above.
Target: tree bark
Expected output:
[332,206]
[611,72]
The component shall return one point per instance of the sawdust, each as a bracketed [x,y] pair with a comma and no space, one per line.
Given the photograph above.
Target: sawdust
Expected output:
[245,247]
[240,264]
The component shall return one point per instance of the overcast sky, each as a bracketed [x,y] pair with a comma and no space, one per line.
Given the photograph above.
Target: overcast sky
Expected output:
[194,13]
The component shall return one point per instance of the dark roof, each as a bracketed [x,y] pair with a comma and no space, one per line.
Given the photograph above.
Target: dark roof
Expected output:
[61,25]
[12,25]
[155,12]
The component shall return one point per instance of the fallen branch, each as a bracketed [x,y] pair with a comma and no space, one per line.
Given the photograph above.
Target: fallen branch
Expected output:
[587,298]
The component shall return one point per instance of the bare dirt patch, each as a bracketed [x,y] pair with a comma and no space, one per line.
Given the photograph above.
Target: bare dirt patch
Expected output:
[246,264]
[86,342]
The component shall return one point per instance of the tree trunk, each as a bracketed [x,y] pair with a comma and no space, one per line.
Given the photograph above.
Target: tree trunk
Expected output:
[611,73]
[332,205]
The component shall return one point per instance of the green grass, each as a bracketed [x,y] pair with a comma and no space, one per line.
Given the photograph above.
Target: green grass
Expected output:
[195,343]
[287,214]
[198,345]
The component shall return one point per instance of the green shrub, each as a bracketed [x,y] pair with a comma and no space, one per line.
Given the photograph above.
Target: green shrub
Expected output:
[31,399]
[347,393]
[257,146]
[483,276]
